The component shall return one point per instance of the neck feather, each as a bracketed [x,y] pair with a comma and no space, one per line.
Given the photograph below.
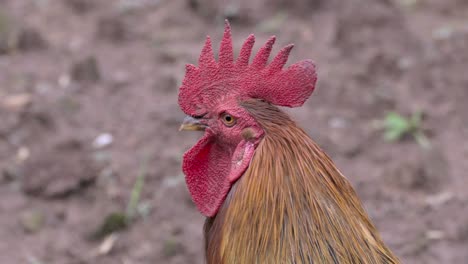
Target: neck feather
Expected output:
[291,206]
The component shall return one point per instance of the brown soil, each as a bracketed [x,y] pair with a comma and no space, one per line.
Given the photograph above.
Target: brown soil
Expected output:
[73,70]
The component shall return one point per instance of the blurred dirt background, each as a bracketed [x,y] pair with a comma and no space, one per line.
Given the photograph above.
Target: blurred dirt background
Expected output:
[88,96]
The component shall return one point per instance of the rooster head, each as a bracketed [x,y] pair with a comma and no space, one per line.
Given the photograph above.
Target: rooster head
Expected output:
[211,96]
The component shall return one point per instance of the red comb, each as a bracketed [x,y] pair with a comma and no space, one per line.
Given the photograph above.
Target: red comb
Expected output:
[213,81]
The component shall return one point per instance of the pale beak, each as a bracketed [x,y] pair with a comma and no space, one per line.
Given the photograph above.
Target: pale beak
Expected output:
[192,124]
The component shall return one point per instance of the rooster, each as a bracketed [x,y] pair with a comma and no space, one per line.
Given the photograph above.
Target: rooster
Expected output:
[269,193]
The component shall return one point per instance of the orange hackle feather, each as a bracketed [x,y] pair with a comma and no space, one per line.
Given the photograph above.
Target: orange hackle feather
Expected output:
[292,205]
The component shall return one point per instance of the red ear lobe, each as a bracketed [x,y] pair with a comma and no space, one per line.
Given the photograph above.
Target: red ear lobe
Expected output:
[241,159]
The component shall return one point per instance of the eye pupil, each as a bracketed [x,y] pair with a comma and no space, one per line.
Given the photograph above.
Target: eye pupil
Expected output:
[228,120]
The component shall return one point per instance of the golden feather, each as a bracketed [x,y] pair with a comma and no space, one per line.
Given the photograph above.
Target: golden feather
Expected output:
[292,205]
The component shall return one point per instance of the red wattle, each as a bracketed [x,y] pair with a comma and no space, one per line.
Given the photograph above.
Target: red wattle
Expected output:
[206,166]
[211,168]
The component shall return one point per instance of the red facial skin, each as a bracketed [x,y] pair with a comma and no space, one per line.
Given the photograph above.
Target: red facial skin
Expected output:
[221,156]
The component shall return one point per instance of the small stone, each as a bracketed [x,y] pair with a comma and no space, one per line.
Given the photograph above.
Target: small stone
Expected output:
[439,199]
[32,221]
[435,234]
[64,80]
[107,245]
[22,154]
[16,102]
[103,140]
[337,122]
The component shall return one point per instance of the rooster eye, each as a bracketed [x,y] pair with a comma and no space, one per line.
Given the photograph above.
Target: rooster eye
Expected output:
[228,120]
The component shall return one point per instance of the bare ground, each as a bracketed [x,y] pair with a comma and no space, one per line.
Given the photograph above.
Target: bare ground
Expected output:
[73,70]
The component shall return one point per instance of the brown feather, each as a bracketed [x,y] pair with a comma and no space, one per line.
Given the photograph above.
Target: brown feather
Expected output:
[292,205]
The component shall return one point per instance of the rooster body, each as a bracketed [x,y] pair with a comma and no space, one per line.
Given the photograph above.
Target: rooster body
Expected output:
[270,194]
